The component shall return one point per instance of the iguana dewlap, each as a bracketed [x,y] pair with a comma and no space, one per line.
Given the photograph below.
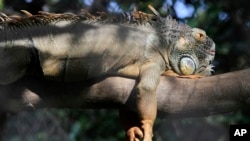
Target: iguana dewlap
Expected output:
[70,48]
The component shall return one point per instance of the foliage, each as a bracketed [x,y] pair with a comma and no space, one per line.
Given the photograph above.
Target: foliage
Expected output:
[64,125]
[227,22]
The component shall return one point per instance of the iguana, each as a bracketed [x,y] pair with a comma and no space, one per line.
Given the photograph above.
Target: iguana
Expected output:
[71,48]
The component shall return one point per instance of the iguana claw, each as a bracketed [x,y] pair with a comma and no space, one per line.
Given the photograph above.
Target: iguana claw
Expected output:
[134,134]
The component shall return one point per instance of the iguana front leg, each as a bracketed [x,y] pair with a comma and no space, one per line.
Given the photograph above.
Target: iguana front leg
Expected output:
[146,97]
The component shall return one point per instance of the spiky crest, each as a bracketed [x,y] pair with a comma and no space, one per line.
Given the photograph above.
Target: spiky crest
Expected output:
[43,18]
[167,27]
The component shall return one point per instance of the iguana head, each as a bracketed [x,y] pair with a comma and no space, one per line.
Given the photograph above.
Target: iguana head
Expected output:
[192,53]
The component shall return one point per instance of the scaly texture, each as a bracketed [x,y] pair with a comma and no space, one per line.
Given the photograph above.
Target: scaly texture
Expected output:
[70,48]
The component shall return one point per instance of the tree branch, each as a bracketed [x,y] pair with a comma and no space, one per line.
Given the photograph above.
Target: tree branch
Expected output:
[176,96]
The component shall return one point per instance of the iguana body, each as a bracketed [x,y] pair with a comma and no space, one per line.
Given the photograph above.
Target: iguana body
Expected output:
[72,48]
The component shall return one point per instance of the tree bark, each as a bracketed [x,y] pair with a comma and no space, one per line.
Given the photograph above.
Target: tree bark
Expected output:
[176,96]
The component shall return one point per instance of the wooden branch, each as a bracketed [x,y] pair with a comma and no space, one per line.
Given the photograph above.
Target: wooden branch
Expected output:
[176,96]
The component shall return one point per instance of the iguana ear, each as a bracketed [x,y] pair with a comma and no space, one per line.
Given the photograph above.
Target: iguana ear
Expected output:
[199,34]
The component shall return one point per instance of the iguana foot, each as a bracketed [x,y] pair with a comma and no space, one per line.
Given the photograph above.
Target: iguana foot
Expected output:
[131,124]
[190,76]
[172,73]
[134,134]
[147,126]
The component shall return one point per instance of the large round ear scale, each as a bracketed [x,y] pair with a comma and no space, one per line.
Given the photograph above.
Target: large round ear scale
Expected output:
[187,66]
[199,34]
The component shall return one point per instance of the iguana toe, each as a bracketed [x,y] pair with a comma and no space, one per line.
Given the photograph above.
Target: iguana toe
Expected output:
[134,134]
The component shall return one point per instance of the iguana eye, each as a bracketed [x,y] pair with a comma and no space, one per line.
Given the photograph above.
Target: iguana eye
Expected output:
[187,66]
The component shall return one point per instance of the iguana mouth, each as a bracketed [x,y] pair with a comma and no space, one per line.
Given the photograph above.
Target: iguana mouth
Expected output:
[212,52]
[212,49]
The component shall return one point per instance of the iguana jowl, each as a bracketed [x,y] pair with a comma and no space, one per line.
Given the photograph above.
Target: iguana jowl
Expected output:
[71,48]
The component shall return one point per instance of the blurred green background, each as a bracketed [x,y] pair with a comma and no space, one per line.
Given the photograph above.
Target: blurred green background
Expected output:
[226,21]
